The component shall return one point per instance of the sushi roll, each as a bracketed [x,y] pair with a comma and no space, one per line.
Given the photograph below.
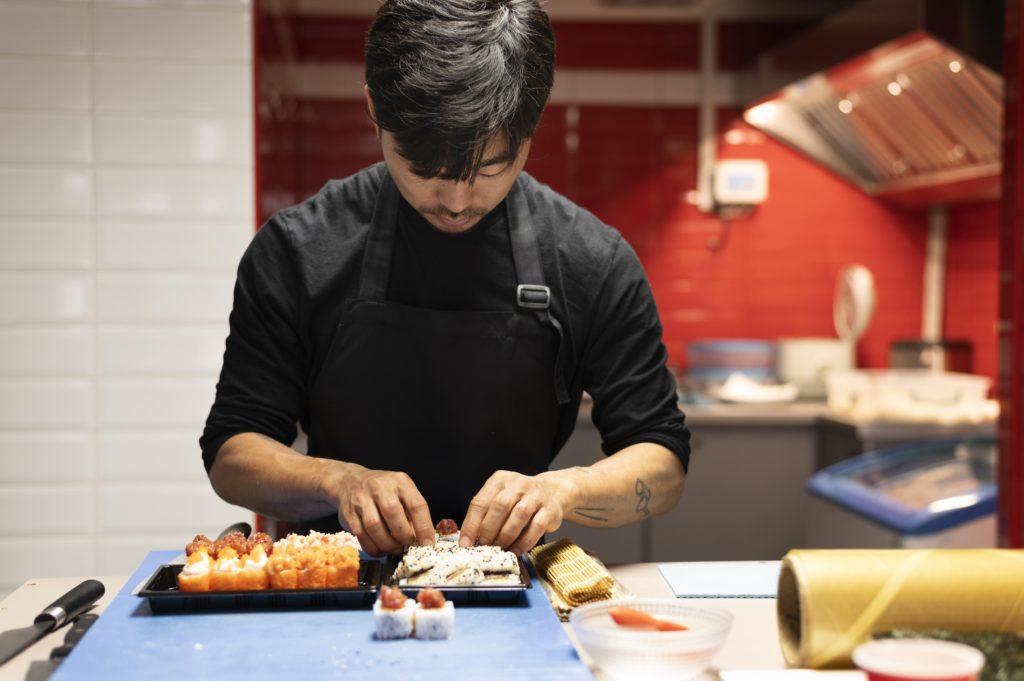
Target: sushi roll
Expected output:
[447,531]
[195,576]
[225,570]
[313,568]
[435,617]
[342,567]
[393,614]
[283,571]
[254,576]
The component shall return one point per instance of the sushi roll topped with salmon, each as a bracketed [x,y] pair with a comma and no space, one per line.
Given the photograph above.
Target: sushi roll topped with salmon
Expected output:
[435,616]
[393,614]
[447,530]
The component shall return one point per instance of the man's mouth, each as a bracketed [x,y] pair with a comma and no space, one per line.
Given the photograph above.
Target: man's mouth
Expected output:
[455,221]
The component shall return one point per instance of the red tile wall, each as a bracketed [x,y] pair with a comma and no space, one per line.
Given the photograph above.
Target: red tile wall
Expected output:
[972,281]
[767,275]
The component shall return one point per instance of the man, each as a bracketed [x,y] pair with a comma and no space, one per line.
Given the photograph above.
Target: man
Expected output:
[433,321]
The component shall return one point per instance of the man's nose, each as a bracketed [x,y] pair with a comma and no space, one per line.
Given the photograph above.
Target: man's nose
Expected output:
[455,196]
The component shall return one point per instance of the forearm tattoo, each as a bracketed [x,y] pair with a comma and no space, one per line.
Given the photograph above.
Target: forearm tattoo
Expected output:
[643,497]
[595,513]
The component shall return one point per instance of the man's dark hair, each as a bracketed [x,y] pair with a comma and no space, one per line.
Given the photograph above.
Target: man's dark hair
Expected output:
[447,76]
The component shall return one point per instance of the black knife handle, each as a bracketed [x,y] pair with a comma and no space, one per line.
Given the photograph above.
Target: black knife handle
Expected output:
[71,604]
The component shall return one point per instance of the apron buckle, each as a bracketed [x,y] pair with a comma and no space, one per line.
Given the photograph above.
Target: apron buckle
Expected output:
[533,296]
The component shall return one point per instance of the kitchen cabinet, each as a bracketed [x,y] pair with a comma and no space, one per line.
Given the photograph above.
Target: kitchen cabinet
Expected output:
[744,496]
[841,438]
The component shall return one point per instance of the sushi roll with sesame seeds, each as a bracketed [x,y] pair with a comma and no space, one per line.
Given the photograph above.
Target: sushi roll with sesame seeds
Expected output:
[393,614]
[435,616]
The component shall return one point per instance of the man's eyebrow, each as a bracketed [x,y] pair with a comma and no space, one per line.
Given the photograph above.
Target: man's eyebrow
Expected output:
[506,157]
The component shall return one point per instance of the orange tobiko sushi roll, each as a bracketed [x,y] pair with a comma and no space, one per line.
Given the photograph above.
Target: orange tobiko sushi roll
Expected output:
[342,568]
[195,576]
[225,570]
[283,571]
[313,571]
[254,575]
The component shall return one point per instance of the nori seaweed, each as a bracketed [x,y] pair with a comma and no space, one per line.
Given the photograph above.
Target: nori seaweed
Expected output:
[1004,650]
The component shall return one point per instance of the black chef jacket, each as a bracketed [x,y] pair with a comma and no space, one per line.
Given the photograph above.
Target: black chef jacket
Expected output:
[306,261]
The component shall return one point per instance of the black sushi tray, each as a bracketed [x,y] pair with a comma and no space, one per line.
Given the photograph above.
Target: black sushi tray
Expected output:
[161,590]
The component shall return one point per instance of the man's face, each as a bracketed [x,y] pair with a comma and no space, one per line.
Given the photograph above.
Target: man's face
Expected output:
[452,206]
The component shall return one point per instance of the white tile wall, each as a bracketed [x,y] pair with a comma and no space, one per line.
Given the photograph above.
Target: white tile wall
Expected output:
[45,191]
[46,456]
[171,33]
[38,244]
[173,297]
[199,139]
[139,351]
[155,403]
[52,508]
[46,85]
[44,298]
[45,138]
[45,403]
[157,88]
[39,29]
[150,455]
[64,350]
[143,508]
[116,551]
[52,556]
[126,199]
[229,4]
[174,192]
[167,244]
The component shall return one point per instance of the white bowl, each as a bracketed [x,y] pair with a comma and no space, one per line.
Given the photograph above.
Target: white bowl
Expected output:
[919,658]
[626,653]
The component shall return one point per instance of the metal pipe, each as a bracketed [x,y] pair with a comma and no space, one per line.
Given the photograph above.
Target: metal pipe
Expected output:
[934,273]
[707,124]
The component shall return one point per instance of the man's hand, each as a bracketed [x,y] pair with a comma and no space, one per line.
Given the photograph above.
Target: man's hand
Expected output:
[513,510]
[384,510]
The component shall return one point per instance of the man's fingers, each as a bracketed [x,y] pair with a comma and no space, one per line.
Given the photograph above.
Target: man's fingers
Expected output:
[365,542]
[529,537]
[518,519]
[419,515]
[478,508]
[378,531]
[392,512]
[497,514]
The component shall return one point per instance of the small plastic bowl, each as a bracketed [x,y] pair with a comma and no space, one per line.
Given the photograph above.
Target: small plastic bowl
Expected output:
[918,659]
[625,653]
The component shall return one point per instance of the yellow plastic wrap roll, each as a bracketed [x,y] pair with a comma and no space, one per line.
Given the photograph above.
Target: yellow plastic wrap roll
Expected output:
[830,601]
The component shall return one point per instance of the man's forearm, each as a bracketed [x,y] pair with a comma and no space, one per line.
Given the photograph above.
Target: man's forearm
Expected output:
[261,474]
[635,483]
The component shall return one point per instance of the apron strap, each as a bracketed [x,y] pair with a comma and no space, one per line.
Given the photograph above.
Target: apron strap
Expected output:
[533,295]
[373,279]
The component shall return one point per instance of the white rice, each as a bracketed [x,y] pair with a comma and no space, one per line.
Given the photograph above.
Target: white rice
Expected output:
[435,623]
[392,624]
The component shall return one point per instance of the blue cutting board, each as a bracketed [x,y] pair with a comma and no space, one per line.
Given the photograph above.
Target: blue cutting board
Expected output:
[128,641]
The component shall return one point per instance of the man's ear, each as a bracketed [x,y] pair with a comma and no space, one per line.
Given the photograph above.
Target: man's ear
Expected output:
[370,110]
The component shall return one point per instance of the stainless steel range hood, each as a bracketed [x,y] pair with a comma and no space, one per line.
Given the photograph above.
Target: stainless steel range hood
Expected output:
[913,120]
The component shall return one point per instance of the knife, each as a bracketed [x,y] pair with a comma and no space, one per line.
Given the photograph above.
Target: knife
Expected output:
[64,609]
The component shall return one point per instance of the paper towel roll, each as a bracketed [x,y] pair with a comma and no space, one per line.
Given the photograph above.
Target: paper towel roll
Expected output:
[830,601]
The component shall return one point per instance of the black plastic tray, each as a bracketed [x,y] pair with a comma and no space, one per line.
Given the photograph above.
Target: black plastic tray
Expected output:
[161,589]
[481,594]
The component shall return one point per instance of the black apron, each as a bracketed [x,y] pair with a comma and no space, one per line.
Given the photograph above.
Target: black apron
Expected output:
[448,397]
